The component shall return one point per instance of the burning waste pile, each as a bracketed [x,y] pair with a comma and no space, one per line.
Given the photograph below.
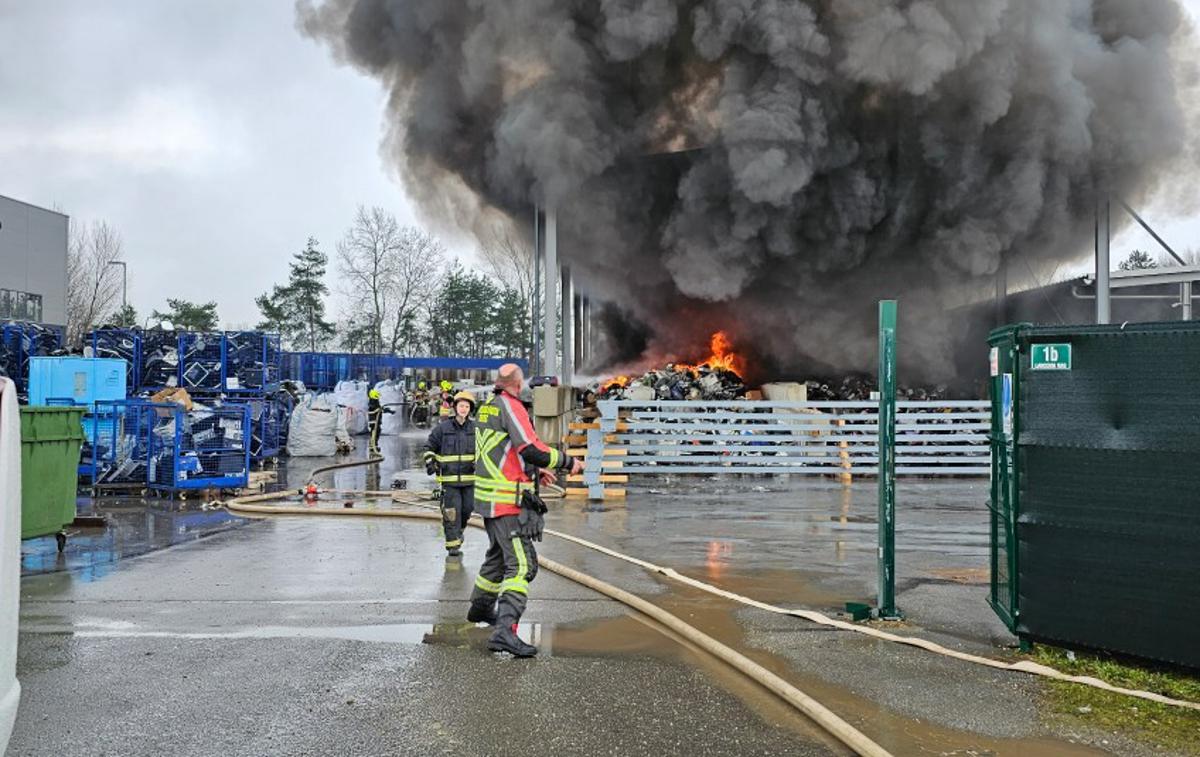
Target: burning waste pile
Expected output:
[861,387]
[717,378]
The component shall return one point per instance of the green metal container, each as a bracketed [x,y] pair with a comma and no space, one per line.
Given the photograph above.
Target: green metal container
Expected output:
[1095,517]
[50,442]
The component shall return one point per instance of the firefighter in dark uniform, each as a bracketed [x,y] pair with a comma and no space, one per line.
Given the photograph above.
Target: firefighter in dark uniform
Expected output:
[375,411]
[508,455]
[450,455]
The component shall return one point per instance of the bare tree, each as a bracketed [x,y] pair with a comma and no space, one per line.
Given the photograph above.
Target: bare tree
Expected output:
[1190,257]
[388,270]
[365,259]
[418,265]
[93,283]
[511,261]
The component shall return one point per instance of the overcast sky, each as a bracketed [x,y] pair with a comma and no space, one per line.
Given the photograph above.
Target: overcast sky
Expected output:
[214,136]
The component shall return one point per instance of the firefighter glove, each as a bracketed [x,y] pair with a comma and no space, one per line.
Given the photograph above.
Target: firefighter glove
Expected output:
[530,524]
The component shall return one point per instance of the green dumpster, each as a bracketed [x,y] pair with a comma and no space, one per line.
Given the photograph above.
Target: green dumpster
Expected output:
[50,442]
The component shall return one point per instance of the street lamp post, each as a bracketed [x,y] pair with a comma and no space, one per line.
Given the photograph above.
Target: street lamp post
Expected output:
[124,288]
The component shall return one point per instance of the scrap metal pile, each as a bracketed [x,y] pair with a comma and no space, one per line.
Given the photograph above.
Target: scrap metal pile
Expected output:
[861,387]
[676,382]
[718,377]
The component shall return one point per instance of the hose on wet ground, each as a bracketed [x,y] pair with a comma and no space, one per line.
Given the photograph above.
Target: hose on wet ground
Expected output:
[244,504]
[372,460]
[548,491]
[811,708]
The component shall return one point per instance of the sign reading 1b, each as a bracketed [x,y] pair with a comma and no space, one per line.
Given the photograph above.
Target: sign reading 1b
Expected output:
[1050,357]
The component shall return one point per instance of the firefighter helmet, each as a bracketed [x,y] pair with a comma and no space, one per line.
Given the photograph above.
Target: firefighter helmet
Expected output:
[465,396]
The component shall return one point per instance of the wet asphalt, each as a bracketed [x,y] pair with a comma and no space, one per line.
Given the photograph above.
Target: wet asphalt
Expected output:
[346,636]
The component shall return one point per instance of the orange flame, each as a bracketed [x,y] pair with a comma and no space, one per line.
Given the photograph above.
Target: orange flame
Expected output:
[723,357]
[616,382]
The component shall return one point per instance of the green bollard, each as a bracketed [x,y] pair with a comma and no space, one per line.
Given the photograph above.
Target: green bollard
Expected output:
[887,461]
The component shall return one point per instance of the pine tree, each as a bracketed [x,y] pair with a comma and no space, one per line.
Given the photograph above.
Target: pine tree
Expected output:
[297,309]
[1137,261]
[189,316]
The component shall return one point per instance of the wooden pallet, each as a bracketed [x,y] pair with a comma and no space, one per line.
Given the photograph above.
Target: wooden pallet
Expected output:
[582,493]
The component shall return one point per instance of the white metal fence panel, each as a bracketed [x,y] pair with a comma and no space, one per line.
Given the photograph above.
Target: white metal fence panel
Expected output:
[933,438]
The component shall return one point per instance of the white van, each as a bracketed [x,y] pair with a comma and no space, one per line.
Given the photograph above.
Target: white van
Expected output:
[10,555]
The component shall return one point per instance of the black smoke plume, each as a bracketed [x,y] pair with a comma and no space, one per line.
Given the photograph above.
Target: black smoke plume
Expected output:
[772,167]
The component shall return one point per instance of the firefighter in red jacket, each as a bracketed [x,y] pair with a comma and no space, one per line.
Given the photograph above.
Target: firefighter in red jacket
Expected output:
[507,450]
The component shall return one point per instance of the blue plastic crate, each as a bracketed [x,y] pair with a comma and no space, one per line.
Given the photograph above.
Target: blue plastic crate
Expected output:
[83,380]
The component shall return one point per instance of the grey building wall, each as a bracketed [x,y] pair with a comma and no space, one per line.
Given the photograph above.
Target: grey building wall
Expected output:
[33,256]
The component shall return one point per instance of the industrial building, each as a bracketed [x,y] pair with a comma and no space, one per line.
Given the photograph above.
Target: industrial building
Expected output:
[33,263]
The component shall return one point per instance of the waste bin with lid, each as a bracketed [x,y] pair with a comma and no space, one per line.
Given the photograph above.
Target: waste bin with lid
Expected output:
[50,442]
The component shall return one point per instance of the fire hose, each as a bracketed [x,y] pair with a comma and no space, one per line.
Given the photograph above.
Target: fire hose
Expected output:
[846,733]
[811,708]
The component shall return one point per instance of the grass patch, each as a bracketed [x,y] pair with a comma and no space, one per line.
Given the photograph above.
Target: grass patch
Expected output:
[1155,724]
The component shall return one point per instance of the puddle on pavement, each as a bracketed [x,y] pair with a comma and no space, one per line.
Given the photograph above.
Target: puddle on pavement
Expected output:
[550,639]
[788,588]
[135,527]
[897,733]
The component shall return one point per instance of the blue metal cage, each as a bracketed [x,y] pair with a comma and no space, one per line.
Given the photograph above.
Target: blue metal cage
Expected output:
[22,340]
[164,447]
[253,362]
[268,425]
[125,344]
[202,362]
[159,364]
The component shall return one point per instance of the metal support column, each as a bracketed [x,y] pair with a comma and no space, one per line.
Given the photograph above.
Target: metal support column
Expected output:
[1103,263]
[580,349]
[1185,297]
[568,327]
[550,298]
[587,332]
[535,311]
[887,460]
[1001,304]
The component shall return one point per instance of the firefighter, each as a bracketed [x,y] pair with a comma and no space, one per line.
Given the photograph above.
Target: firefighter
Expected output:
[450,455]
[375,411]
[446,404]
[507,452]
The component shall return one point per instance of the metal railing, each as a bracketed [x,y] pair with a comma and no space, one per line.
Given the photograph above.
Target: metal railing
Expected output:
[933,438]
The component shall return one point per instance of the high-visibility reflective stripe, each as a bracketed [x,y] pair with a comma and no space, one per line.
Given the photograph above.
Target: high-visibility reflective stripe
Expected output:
[484,488]
[555,458]
[522,561]
[455,543]
[518,585]
[503,484]
[429,453]
[466,478]
[491,587]
[501,498]
[486,441]
[454,458]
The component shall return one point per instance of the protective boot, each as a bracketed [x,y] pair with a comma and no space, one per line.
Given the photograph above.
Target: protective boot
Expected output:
[505,639]
[481,614]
